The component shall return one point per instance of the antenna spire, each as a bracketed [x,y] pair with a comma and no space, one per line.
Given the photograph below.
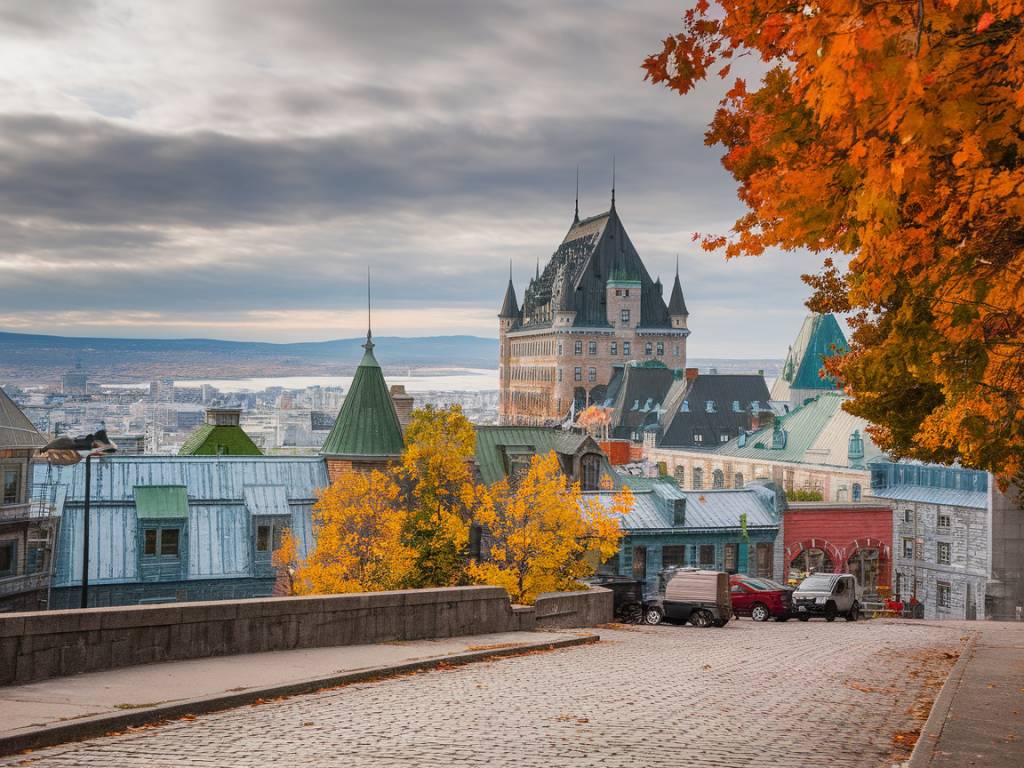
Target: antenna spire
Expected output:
[677,265]
[368,346]
[510,270]
[613,182]
[576,218]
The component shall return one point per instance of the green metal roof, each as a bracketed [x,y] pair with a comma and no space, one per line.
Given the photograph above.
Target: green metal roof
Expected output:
[820,337]
[367,424]
[161,502]
[815,433]
[493,442]
[211,440]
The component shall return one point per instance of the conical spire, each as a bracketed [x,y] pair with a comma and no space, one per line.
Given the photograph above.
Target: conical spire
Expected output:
[676,303]
[367,425]
[509,307]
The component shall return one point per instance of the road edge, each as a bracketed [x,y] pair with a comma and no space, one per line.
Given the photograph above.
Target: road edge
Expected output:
[99,725]
[924,749]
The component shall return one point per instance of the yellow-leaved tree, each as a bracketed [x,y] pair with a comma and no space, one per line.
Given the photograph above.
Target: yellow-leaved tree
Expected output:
[546,533]
[358,524]
[436,478]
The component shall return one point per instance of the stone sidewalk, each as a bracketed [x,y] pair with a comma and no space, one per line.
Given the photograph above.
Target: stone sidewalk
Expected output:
[978,719]
[67,708]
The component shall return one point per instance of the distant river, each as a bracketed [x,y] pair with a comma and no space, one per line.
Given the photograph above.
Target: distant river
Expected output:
[463,380]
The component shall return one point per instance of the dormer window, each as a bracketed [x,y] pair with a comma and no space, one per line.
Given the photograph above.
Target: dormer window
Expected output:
[755,406]
[685,407]
[709,406]
[736,406]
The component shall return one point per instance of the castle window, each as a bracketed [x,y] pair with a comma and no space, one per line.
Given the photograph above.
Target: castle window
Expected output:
[559,347]
[709,406]
[592,374]
[578,374]
[627,293]
[618,291]
[625,348]
[698,437]
[661,348]
[677,350]
[648,348]
[579,348]
[559,374]
[615,348]
[592,347]
[624,316]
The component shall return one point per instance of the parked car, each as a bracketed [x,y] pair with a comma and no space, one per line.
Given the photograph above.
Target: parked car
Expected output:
[828,595]
[760,599]
[688,595]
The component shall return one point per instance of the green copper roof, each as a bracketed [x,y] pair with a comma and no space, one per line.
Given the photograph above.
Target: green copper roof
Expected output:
[367,424]
[160,502]
[210,440]
[820,337]
[492,443]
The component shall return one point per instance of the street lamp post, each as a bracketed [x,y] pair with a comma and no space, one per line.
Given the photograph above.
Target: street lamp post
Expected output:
[67,451]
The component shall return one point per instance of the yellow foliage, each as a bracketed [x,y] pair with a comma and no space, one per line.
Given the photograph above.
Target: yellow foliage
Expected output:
[358,524]
[547,534]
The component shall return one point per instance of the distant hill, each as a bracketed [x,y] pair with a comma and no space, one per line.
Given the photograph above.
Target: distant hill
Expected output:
[33,358]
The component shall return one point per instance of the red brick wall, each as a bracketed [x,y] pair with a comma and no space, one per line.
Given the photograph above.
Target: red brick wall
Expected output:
[840,531]
[616,450]
[336,467]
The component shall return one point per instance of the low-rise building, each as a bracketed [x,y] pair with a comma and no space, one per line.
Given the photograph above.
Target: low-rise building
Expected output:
[851,537]
[507,451]
[177,528]
[25,529]
[815,450]
[942,535]
[728,530]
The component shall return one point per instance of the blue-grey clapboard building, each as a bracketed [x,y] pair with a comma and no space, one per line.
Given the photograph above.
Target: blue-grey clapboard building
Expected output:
[671,527]
[173,528]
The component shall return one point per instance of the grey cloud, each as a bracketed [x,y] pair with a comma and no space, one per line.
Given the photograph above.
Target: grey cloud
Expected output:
[45,18]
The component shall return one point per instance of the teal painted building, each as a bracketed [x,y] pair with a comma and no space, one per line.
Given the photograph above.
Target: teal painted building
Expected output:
[669,527]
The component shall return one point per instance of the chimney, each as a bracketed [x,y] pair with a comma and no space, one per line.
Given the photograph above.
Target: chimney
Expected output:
[223,417]
[403,405]
[691,373]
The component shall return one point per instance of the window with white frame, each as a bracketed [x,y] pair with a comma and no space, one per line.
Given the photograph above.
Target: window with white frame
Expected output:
[944,553]
[908,548]
[945,521]
[11,482]
[908,515]
[944,593]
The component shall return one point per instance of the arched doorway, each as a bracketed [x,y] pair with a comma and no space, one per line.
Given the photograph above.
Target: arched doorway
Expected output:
[811,560]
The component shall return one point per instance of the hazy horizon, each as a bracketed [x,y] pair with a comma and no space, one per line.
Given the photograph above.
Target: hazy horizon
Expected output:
[229,170]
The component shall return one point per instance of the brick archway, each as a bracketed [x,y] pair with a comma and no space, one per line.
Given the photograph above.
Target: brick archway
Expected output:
[836,555]
[884,578]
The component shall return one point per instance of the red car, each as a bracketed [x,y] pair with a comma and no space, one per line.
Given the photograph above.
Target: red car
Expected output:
[760,599]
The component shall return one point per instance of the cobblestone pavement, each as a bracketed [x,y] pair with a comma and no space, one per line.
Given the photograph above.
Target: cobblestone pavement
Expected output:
[749,694]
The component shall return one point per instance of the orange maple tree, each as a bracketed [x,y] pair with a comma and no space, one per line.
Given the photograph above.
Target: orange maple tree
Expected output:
[892,132]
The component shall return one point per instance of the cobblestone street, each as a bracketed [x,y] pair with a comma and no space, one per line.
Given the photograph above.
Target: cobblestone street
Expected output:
[750,694]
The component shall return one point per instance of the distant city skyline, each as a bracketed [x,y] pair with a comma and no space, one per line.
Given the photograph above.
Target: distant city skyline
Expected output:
[227,170]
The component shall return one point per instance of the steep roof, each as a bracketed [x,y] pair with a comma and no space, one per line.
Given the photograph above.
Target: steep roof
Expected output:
[815,433]
[676,303]
[576,277]
[16,431]
[640,397]
[367,424]
[509,307]
[820,337]
[494,443]
[212,440]
[735,398]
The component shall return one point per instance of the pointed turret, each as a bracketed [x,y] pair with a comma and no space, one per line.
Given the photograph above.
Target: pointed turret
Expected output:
[367,434]
[676,302]
[510,306]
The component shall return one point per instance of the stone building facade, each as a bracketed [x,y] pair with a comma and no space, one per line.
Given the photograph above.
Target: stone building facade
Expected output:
[942,536]
[591,310]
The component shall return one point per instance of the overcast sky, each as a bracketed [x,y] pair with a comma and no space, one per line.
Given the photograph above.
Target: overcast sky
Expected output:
[228,169]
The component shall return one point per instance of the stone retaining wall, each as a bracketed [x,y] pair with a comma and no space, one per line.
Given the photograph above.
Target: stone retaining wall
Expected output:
[562,610]
[44,644]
